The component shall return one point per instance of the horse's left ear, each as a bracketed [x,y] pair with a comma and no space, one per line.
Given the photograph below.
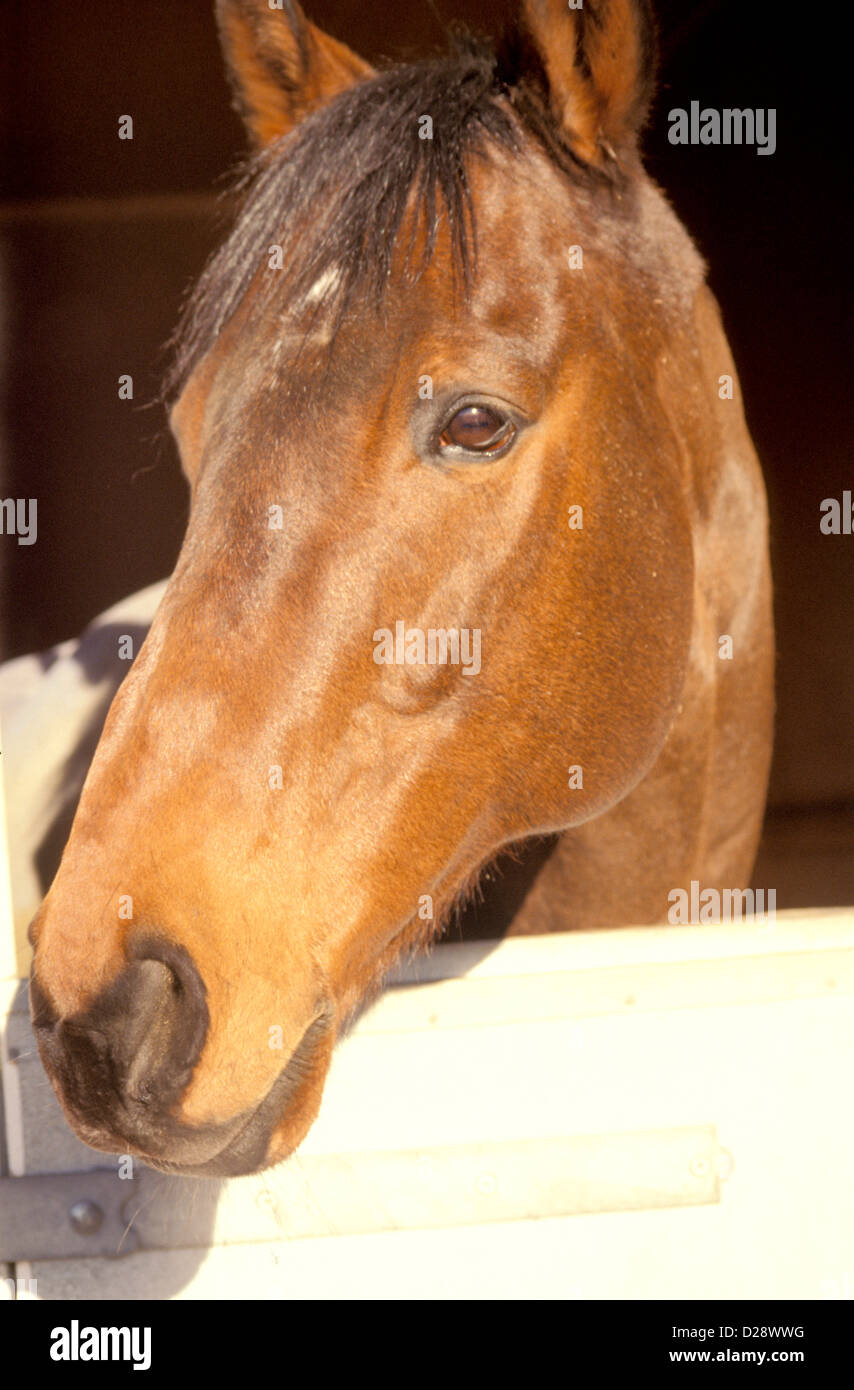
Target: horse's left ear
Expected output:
[600,63]
[281,67]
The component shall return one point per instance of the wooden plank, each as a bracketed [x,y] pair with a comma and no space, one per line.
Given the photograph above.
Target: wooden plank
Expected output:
[819,930]
[440,1186]
[483,996]
[693,1253]
[481,1073]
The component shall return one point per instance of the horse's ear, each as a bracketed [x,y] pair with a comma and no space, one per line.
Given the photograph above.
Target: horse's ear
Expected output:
[281,67]
[600,63]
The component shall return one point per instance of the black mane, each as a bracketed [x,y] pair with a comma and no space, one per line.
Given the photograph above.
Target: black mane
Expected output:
[334,192]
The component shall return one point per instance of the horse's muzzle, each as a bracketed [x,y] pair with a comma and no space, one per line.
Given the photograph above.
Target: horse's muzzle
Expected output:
[121,1067]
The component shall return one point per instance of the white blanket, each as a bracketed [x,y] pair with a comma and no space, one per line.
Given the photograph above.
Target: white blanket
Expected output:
[52,709]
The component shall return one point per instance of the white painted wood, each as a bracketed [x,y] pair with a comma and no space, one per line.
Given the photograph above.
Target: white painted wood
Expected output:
[743,1034]
[10,1084]
[819,930]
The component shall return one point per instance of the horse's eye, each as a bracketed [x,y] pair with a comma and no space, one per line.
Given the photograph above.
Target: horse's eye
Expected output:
[477,429]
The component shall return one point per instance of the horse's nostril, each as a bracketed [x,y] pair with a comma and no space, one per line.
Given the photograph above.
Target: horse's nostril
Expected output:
[143,1038]
[140,1039]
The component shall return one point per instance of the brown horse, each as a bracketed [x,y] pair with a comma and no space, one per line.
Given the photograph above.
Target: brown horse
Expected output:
[477,555]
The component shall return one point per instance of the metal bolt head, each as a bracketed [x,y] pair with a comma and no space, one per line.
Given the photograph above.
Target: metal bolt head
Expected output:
[86,1217]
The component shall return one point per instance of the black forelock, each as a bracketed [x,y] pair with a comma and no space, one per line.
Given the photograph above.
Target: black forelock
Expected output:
[334,192]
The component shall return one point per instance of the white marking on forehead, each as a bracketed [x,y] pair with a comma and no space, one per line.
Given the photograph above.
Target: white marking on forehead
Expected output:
[322,286]
[319,330]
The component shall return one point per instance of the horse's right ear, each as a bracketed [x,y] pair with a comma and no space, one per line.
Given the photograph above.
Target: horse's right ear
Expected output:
[599,59]
[281,67]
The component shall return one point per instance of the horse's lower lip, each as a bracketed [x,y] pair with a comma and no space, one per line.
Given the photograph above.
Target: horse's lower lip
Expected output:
[230,1162]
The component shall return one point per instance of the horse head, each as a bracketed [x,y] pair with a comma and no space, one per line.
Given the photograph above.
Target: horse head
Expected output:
[438,589]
